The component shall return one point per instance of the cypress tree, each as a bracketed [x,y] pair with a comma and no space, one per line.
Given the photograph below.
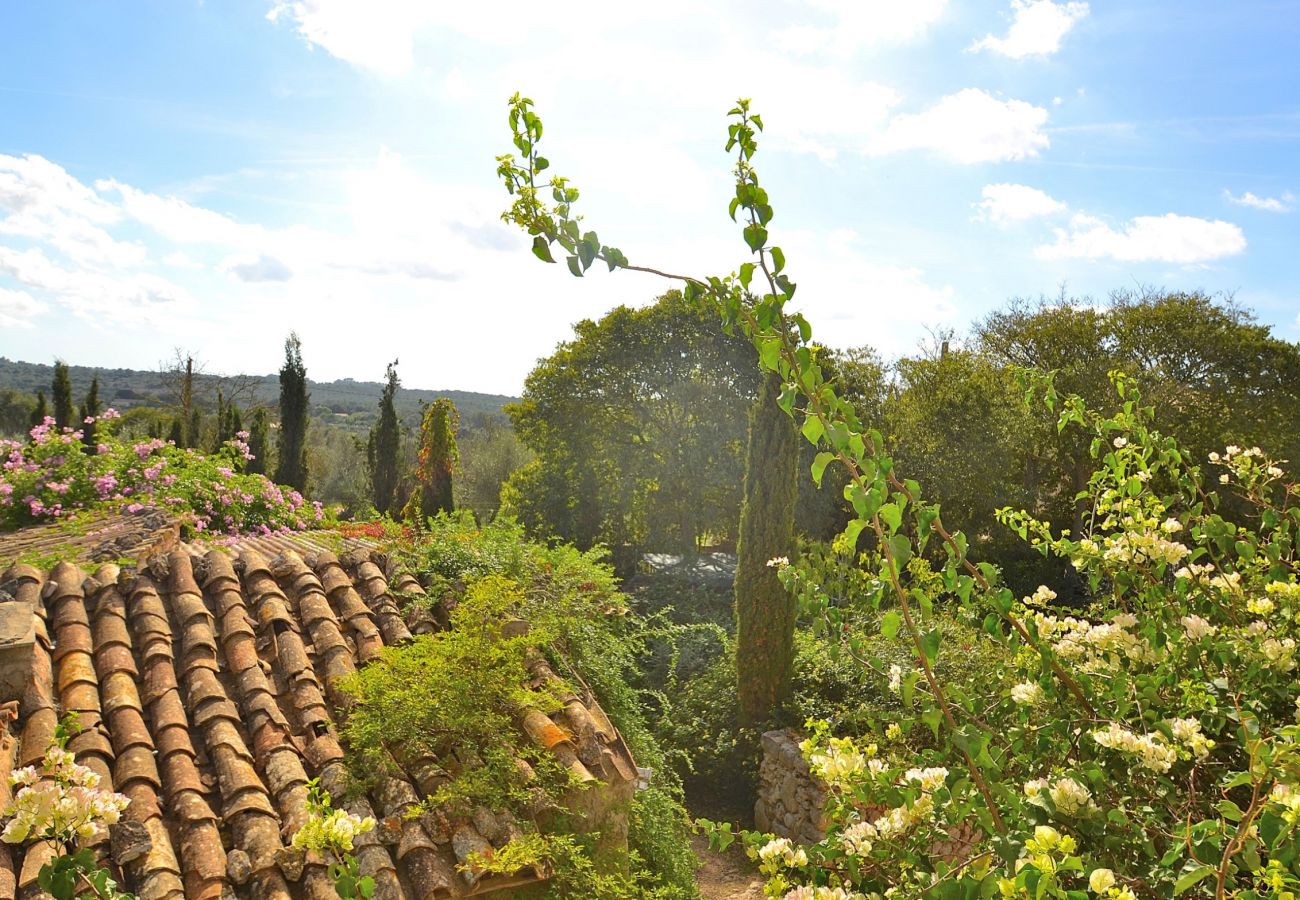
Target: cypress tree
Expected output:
[194,428]
[436,463]
[382,449]
[765,612]
[177,434]
[63,408]
[41,410]
[257,442]
[292,466]
[187,437]
[90,409]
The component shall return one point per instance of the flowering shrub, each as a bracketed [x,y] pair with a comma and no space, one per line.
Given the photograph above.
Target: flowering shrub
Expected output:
[51,478]
[61,802]
[331,832]
[1159,755]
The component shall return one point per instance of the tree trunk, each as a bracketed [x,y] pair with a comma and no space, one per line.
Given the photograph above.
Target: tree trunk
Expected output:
[765,613]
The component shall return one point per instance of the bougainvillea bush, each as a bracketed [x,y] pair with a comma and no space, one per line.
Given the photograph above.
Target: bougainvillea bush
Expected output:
[55,478]
[1164,763]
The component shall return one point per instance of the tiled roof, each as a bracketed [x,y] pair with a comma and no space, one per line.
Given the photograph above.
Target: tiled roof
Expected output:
[116,537]
[207,686]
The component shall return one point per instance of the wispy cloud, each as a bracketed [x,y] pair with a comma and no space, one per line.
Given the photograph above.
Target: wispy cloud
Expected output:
[968,127]
[1283,204]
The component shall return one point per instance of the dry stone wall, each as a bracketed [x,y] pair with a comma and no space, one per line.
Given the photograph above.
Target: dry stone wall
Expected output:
[791,801]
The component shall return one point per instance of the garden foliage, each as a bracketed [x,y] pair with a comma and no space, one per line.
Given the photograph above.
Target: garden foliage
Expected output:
[1146,747]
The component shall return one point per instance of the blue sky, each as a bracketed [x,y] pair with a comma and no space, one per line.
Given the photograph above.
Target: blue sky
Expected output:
[209,176]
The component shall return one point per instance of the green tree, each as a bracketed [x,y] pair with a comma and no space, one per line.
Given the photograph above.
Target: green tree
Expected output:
[490,454]
[292,466]
[90,409]
[637,425]
[229,421]
[258,442]
[41,411]
[765,611]
[382,448]
[438,458]
[1212,373]
[15,411]
[64,410]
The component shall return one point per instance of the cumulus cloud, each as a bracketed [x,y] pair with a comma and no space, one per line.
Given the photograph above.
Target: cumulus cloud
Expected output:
[968,127]
[1280,204]
[1037,27]
[1170,238]
[18,308]
[1006,203]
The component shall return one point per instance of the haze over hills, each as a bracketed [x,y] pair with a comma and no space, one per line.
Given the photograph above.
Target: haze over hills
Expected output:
[346,402]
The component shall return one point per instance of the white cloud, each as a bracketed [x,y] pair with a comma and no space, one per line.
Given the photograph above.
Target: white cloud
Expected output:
[40,201]
[18,308]
[258,268]
[969,126]
[1169,238]
[1005,203]
[1280,204]
[1037,27]
[122,296]
[855,24]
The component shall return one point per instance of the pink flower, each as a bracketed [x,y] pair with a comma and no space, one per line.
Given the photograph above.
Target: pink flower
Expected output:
[134,508]
[102,449]
[110,413]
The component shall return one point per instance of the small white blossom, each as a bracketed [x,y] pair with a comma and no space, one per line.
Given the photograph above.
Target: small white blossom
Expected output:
[1027,693]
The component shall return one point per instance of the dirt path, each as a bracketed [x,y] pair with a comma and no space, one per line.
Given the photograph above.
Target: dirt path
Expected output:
[725,876]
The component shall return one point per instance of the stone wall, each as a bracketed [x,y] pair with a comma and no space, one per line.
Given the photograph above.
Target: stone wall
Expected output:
[790,800]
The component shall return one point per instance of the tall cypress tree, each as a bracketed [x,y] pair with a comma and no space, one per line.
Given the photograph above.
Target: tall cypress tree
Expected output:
[382,449]
[188,426]
[436,463]
[90,409]
[292,466]
[41,410]
[765,612]
[63,408]
[258,445]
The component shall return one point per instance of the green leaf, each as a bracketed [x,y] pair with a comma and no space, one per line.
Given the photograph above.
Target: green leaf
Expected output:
[778,261]
[575,265]
[889,624]
[542,249]
[769,353]
[892,516]
[746,274]
[1191,878]
[901,549]
[812,429]
[930,641]
[755,237]
[852,531]
[820,462]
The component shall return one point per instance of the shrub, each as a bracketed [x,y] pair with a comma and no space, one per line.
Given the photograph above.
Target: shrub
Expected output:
[50,479]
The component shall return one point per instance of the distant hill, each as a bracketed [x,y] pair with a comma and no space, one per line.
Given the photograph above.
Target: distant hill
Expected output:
[348,403]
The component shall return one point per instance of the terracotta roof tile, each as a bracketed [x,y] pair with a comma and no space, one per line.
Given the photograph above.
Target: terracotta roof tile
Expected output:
[207,683]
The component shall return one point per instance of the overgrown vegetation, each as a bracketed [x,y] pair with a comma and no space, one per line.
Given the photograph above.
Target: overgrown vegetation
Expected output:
[1147,749]
[510,598]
